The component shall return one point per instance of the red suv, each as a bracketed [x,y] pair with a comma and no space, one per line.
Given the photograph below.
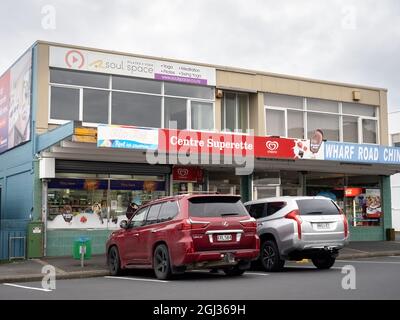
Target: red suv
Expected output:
[186,232]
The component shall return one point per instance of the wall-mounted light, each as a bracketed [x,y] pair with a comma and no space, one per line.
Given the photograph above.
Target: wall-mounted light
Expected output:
[356,95]
[219,93]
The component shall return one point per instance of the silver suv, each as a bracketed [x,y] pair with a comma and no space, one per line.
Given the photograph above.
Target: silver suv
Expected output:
[296,228]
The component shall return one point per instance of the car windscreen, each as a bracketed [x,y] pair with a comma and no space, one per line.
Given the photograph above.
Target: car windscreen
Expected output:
[317,207]
[216,207]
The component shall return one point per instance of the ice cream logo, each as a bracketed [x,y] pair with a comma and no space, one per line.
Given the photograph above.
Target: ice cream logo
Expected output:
[272,145]
[183,172]
[316,141]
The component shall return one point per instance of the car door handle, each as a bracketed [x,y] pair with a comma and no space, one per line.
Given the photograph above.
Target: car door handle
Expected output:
[154,230]
[135,234]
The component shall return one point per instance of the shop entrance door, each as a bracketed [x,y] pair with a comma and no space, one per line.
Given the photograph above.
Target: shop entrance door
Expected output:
[266,192]
[293,192]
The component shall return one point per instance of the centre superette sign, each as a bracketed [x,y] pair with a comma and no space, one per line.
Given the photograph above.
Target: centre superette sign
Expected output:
[199,142]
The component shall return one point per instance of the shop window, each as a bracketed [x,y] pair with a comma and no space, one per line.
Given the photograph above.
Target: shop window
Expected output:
[95,106]
[369,131]
[175,112]
[283,101]
[136,85]
[136,109]
[295,124]
[202,116]
[189,91]
[235,111]
[78,78]
[328,123]
[64,103]
[359,109]
[322,105]
[168,211]
[96,203]
[350,129]
[276,122]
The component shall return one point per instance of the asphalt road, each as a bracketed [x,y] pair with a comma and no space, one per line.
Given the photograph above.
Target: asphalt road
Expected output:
[376,278]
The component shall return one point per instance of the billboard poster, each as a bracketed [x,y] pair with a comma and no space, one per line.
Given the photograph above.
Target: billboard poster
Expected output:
[15,104]
[373,204]
[93,61]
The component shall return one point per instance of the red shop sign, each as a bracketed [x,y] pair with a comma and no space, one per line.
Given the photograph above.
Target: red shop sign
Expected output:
[352,192]
[190,174]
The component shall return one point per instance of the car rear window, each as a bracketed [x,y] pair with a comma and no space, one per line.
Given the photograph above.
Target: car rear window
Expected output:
[317,206]
[216,207]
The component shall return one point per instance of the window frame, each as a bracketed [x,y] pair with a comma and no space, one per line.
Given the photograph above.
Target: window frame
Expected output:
[340,114]
[223,106]
[110,90]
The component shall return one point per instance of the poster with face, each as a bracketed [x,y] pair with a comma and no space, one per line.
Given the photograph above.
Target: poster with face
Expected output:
[15,104]
[373,203]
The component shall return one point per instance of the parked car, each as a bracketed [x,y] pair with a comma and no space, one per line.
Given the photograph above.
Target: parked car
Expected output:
[296,228]
[186,232]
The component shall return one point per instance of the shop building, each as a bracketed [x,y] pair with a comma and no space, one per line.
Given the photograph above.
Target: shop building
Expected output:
[394,135]
[77,123]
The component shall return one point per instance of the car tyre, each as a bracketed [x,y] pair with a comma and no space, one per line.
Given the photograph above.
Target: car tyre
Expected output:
[114,262]
[270,258]
[324,262]
[234,271]
[161,262]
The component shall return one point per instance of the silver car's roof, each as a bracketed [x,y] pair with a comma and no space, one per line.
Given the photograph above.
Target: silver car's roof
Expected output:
[285,198]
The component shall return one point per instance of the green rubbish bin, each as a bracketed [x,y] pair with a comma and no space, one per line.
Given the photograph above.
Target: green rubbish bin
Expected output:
[86,244]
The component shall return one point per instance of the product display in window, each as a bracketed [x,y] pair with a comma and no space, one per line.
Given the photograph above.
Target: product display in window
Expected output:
[96,204]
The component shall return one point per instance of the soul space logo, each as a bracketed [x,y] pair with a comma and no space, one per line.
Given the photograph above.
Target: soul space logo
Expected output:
[272,146]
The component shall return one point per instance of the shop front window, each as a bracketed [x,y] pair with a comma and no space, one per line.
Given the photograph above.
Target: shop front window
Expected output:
[224,182]
[96,203]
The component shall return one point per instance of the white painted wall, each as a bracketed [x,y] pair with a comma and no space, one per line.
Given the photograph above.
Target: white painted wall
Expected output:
[394,127]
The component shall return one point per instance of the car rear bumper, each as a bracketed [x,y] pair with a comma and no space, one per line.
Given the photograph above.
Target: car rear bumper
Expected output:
[210,259]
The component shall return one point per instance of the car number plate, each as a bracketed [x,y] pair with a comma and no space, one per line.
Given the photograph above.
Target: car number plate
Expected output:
[323,226]
[224,237]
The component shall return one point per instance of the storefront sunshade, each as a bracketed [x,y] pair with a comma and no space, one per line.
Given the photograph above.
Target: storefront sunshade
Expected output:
[73,166]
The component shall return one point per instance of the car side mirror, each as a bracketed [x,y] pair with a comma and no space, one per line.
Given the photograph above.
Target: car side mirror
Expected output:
[124,224]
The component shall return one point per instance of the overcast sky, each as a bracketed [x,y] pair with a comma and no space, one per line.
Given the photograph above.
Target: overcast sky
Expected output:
[347,41]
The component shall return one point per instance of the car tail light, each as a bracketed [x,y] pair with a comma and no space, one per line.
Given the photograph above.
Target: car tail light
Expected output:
[294,215]
[345,223]
[189,224]
[249,223]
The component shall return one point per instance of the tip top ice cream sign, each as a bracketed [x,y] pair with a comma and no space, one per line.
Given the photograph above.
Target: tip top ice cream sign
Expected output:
[93,61]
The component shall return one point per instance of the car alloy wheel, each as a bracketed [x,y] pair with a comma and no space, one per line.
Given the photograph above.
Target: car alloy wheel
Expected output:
[114,262]
[270,258]
[162,267]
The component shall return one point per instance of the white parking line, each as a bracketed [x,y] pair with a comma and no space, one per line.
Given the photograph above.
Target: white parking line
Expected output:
[136,279]
[26,287]
[367,261]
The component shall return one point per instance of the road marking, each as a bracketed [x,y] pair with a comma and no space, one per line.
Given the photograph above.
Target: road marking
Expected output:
[310,267]
[26,287]
[136,279]
[257,273]
[367,261]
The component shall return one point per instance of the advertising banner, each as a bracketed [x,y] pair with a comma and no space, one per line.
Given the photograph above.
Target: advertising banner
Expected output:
[228,144]
[15,104]
[127,137]
[187,174]
[364,153]
[86,60]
